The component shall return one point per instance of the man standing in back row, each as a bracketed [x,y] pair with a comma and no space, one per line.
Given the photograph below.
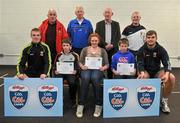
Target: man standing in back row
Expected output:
[109,31]
[79,30]
[135,33]
[53,32]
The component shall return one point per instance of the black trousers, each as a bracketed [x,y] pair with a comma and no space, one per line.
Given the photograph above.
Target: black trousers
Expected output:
[72,82]
[109,71]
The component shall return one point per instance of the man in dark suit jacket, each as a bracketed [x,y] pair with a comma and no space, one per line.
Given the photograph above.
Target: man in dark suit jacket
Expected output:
[109,31]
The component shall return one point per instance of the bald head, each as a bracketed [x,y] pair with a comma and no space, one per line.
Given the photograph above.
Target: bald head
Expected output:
[52,15]
[135,17]
[108,14]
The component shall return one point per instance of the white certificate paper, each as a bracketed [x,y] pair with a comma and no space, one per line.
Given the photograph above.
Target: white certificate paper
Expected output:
[65,67]
[125,68]
[93,62]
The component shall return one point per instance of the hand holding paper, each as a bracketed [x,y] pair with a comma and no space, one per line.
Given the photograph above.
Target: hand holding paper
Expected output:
[93,62]
[65,67]
[125,68]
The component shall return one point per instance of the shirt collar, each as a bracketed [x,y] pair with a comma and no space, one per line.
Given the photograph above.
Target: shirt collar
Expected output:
[108,22]
[80,21]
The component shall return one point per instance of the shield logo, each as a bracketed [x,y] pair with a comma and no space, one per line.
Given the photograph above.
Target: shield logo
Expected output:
[18,95]
[145,95]
[47,95]
[117,97]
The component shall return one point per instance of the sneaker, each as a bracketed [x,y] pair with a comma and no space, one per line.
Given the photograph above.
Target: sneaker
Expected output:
[97,111]
[164,105]
[79,112]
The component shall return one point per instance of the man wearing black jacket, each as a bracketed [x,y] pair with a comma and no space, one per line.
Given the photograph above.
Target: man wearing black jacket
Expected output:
[35,59]
[109,31]
[149,59]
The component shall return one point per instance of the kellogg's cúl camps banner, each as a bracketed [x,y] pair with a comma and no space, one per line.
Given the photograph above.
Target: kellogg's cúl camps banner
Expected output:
[131,97]
[33,97]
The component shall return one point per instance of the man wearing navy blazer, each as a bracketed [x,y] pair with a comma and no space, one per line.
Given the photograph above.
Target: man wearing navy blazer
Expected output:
[109,31]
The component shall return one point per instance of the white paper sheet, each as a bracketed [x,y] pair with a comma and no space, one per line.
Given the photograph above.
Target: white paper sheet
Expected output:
[125,68]
[93,62]
[65,67]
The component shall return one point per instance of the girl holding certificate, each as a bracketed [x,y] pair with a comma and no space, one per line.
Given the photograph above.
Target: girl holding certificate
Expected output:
[93,62]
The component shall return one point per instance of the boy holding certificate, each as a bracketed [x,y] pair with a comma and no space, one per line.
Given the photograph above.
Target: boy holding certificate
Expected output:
[123,61]
[66,66]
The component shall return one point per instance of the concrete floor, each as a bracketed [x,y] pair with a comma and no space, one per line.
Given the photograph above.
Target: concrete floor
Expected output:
[69,114]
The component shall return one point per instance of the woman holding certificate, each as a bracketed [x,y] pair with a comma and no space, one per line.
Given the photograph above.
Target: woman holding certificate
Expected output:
[93,62]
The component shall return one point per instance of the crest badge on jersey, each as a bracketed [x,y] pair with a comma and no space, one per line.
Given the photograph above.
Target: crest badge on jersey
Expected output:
[41,53]
[18,95]
[47,95]
[154,54]
[117,96]
[146,95]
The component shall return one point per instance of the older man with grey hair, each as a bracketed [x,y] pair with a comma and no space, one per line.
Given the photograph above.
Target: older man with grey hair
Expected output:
[109,30]
[53,32]
[79,30]
[135,33]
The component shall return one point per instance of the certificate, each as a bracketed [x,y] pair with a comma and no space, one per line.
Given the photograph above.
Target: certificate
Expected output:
[65,67]
[125,68]
[93,62]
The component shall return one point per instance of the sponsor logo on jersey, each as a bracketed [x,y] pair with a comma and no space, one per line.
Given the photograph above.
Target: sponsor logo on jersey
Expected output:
[123,60]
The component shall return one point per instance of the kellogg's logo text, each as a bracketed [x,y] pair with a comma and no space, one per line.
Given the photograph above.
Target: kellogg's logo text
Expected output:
[18,95]
[117,96]
[145,95]
[47,95]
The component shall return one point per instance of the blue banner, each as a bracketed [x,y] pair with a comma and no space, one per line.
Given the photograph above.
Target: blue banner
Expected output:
[33,97]
[131,97]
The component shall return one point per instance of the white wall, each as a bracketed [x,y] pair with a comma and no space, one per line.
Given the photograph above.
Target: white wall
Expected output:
[18,17]
[0,14]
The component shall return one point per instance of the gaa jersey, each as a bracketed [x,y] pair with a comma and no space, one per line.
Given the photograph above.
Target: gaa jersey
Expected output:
[150,59]
[135,36]
[70,57]
[120,57]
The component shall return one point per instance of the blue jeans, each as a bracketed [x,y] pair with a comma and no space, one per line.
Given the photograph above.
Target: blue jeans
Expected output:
[96,78]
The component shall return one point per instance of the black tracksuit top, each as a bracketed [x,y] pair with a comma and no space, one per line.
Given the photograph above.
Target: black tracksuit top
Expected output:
[150,59]
[35,60]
